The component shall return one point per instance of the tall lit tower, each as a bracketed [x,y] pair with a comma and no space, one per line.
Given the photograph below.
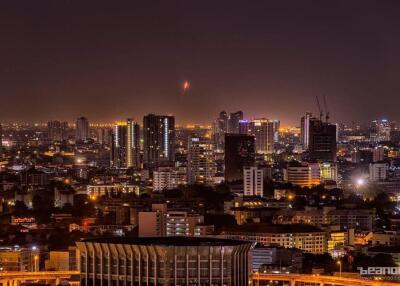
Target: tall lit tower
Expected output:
[82,129]
[118,150]
[159,140]
[305,129]
[201,161]
[233,122]
[132,144]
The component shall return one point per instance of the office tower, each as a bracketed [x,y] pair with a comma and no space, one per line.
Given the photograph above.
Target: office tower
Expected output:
[233,122]
[378,172]
[380,130]
[305,129]
[263,131]
[322,141]
[276,126]
[132,144]
[118,150]
[220,127]
[82,129]
[253,179]
[378,153]
[125,145]
[159,140]
[304,174]
[201,161]
[57,131]
[164,261]
[239,153]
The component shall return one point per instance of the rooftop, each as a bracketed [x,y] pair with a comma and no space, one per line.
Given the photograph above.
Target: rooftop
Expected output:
[273,228]
[167,241]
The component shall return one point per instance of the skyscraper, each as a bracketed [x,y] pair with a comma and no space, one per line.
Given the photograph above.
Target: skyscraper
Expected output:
[82,129]
[322,141]
[118,150]
[159,140]
[233,121]
[201,162]
[264,132]
[57,131]
[132,144]
[220,128]
[239,153]
[1,141]
[305,129]
[125,145]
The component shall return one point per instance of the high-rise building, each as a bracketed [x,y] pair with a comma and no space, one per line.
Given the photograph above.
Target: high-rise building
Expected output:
[132,144]
[276,126]
[118,150]
[82,129]
[159,140]
[239,153]
[305,129]
[125,145]
[57,131]
[322,141]
[201,161]
[220,127]
[264,132]
[233,121]
[253,179]
[380,130]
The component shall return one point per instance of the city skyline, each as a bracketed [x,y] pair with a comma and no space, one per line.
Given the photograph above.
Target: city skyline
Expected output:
[267,59]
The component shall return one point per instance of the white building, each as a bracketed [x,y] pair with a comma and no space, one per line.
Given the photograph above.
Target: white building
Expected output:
[304,174]
[165,178]
[182,223]
[253,178]
[201,161]
[377,172]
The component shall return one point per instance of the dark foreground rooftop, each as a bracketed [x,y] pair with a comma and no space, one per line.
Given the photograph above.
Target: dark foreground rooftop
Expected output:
[168,241]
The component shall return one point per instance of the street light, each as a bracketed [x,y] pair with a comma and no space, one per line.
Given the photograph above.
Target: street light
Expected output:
[340,268]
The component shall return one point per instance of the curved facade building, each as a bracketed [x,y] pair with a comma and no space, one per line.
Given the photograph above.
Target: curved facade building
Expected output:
[164,261]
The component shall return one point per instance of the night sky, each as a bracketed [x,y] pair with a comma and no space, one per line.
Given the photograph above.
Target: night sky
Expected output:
[110,60]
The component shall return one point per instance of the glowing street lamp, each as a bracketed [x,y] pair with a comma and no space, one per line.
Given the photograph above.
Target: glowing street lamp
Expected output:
[340,267]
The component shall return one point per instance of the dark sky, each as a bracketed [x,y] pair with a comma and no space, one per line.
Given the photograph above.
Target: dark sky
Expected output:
[109,60]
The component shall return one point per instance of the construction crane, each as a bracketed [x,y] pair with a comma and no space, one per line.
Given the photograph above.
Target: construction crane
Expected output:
[326,110]
[319,109]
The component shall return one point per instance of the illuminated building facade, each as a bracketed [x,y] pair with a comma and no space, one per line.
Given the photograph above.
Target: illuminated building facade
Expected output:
[253,181]
[201,161]
[164,261]
[304,174]
[159,140]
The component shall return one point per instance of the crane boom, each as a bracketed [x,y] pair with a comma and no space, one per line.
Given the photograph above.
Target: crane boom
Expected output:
[326,110]
[319,109]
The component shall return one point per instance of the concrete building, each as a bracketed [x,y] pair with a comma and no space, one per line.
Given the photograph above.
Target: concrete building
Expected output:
[82,129]
[201,166]
[164,261]
[378,172]
[253,181]
[182,223]
[304,174]
[152,223]
[305,237]
[168,178]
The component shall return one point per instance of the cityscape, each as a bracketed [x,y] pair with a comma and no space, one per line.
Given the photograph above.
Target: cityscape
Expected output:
[189,144]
